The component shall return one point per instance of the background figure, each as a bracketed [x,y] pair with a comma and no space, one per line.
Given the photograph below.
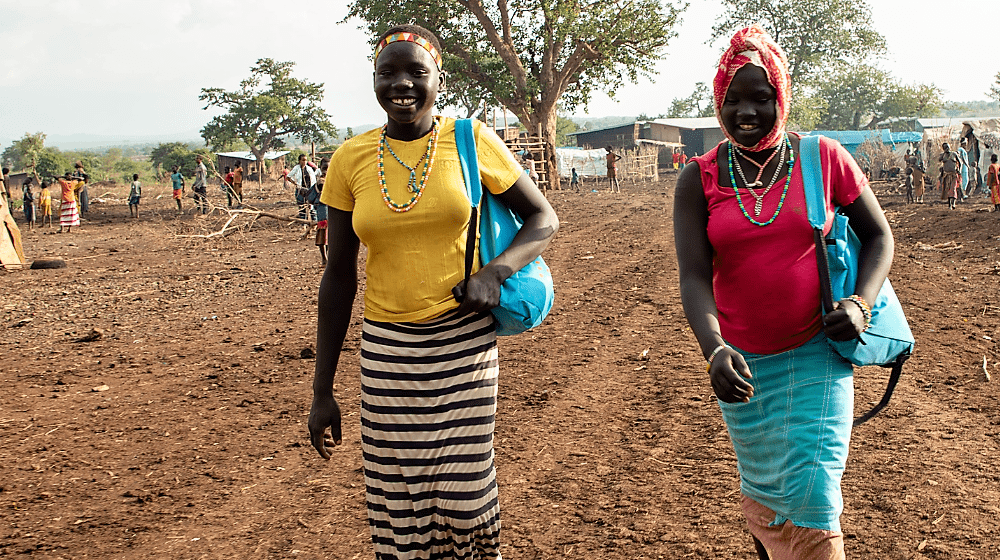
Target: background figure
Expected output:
[177,181]
[303,179]
[951,164]
[238,184]
[916,168]
[574,181]
[321,209]
[612,159]
[200,186]
[227,187]
[45,205]
[908,184]
[993,181]
[134,196]
[28,203]
[5,187]
[963,155]
[69,216]
[82,189]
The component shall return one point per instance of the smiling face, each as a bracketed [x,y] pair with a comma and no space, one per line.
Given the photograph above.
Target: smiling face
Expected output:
[749,109]
[407,82]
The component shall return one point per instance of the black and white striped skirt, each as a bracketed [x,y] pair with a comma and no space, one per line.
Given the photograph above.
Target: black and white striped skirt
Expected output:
[428,407]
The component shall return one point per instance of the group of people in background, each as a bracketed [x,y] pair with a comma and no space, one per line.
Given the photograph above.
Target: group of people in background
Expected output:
[74,198]
[957,176]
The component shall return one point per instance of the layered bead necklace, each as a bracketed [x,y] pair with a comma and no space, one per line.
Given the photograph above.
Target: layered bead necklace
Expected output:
[414,186]
[786,147]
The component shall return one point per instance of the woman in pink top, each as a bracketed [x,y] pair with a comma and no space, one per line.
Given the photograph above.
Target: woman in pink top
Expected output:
[750,289]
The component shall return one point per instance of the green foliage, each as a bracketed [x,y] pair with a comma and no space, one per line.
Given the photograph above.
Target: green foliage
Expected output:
[565,126]
[814,33]
[970,109]
[698,104]
[165,156]
[22,153]
[995,88]
[532,55]
[52,162]
[268,105]
[860,95]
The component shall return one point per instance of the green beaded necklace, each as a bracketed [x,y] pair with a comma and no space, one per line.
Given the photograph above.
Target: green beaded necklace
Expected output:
[788,181]
[412,185]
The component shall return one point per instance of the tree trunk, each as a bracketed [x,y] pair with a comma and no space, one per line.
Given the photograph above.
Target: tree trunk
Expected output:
[545,118]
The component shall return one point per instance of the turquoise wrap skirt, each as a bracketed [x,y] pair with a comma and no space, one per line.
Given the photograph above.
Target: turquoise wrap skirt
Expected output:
[792,438]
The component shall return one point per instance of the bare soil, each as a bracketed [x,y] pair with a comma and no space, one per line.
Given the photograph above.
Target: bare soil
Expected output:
[179,432]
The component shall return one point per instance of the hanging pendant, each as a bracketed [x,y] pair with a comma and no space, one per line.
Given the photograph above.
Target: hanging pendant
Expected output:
[758,206]
[411,185]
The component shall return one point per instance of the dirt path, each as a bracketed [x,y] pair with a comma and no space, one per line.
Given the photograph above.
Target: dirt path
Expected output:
[198,447]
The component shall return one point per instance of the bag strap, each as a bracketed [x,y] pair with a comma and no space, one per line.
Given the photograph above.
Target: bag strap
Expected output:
[465,139]
[812,177]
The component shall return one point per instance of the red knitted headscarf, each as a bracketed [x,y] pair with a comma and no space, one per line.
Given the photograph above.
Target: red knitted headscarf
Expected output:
[754,46]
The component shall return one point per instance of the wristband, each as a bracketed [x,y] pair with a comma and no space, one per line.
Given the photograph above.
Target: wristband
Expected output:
[711,357]
[866,310]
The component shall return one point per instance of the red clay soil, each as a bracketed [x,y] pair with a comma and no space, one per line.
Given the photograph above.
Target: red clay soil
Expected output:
[180,432]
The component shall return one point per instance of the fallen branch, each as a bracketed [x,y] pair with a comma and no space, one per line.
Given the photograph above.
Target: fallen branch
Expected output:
[986,372]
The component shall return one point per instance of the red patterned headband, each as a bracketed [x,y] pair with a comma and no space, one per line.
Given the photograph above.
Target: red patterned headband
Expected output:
[412,38]
[754,46]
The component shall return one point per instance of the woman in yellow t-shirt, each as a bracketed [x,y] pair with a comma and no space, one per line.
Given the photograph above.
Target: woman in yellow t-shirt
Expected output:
[428,362]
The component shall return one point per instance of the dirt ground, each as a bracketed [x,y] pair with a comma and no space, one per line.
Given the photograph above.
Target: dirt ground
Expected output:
[181,431]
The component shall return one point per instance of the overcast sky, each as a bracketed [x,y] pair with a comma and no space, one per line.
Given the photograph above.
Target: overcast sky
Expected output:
[133,68]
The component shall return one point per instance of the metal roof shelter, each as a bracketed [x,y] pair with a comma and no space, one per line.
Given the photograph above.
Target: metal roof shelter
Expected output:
[249,161]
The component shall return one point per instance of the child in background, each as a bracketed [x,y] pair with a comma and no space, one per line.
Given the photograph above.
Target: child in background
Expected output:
[237,184]
[908,181]
[45,204]
[28,203]
[574,180]
[134,194]
[178,181]
[993,182]
[227,186]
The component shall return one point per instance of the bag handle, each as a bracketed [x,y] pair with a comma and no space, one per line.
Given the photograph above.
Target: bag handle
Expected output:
[812,177]
[465,139]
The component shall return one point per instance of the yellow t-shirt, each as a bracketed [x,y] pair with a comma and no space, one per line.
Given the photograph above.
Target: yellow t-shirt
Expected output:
[416,257]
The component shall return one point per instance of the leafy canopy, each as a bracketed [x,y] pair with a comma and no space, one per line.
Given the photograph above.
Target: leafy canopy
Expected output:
[814,33]
[268,106]
[995,89]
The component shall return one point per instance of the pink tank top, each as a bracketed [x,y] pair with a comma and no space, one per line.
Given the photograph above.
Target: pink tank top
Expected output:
[765,279]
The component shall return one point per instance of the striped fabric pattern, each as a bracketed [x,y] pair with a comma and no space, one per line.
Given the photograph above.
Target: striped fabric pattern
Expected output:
[69,216]
[428,410]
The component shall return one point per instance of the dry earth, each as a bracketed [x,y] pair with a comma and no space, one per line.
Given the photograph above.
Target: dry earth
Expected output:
[180,432]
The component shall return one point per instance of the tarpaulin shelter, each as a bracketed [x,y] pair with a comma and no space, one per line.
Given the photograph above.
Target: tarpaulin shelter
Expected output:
[851,139]
[11,251]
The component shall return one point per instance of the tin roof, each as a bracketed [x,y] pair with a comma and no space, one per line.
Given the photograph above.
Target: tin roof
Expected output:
[250,157]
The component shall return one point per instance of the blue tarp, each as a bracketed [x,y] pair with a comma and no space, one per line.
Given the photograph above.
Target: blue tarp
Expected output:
[851,139]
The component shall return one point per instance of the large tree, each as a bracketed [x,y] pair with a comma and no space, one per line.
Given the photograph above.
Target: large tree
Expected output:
[23,154]
[860,96]
[995,89]
[814,33]
[534,56]
[698,104]
[268,106]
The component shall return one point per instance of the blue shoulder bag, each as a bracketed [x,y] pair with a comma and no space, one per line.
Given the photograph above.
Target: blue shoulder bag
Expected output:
[888,342]
[527,295]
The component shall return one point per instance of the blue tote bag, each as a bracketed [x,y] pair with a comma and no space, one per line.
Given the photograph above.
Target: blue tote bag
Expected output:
[888,342]
[527,295]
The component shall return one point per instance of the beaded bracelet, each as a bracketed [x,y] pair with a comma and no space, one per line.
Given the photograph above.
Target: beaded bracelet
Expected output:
[866,310]
[711,357]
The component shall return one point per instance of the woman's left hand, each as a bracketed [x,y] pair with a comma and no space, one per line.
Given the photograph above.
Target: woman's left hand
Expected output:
[845,322]
[480,294]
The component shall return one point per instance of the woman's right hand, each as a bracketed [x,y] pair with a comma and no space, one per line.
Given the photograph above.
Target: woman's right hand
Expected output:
[325,413]
[729,372]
